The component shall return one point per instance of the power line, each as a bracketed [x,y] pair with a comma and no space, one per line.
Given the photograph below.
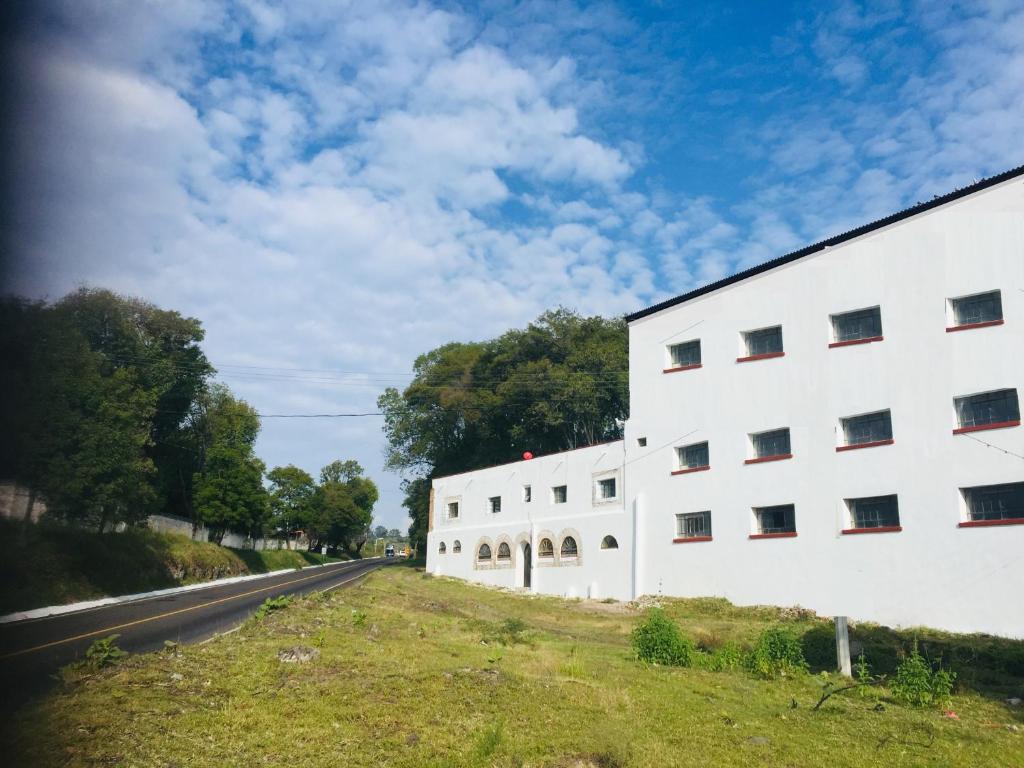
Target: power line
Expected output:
[314,415]
[996,447]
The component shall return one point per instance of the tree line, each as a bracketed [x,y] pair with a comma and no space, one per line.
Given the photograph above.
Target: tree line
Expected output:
[109,413]
[560,383]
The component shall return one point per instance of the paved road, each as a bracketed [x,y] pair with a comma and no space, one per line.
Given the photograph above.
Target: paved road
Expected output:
[32,651]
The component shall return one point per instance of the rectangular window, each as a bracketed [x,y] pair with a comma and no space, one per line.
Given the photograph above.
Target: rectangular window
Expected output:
[778,519]
[771,444]
[606,488]
[453,510]
[874,512]
[527,494]
[979,308]
[559,494]
[693,525]
[987,408]
[685,354]
[995,502]
[494,504]
[693,456]
[867,428]
[766,341]
[853,326]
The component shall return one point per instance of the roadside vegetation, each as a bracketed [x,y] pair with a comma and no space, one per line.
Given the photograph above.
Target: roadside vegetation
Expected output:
[410,670]
[49,564]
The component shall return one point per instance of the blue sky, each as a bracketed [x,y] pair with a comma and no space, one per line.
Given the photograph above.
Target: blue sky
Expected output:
[334,188]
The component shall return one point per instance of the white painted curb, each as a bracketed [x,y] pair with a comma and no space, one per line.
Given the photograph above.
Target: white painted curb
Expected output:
[57,610]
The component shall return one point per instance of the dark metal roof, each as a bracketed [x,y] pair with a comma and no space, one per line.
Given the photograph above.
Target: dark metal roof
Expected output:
[832,241]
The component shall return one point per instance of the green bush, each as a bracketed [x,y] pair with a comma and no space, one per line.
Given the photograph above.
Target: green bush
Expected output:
[657,640]
[916,683]
[270,605]
[104,652]
[778,651]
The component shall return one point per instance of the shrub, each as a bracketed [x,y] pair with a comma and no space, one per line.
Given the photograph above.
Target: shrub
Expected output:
[104,652]
[509,632]
[778,651]
[657,640]
[270,605]
[358,617]
[916,683]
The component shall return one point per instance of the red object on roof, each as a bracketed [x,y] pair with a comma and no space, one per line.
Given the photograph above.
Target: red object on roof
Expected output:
[527,455]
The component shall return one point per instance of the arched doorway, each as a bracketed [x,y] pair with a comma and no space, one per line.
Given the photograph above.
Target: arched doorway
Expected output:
[525,566]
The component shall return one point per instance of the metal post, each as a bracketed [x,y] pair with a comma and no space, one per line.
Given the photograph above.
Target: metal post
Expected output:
[843,646]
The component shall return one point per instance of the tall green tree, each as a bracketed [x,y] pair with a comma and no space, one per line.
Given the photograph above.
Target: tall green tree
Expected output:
[293,499]
[160,350]
[228,488]
[344,508]
[560,383]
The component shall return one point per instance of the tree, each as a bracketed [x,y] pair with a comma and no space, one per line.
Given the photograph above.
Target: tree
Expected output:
[344,508]
[77,432]
[560,383]
[380,532]
[160,350]
[228,488]
[293,499]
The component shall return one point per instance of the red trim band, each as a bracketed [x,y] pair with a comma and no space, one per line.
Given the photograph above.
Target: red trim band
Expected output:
[878,529]
[763,459]
[970,326]
[981,427]
[687,471]
[866,340]
[765,356]
[872,444]
[987,523]
[691,539]
[683,368]
[788,535]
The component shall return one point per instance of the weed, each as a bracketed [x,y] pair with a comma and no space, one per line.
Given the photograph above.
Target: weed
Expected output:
[488,742]
[104,652]
[778,652]
[657,640]
[574,667]
[509,632]
[916,683]
[358,617]
[270,605]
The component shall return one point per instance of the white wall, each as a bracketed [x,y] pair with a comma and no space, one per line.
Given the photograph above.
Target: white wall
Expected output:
[932,572]
[595,572]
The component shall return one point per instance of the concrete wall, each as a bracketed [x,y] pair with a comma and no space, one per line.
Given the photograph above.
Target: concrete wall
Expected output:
[930,573]
[183,526]
[594,572]
[14,503]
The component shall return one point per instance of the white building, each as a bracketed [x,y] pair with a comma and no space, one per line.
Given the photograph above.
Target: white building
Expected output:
[838,428]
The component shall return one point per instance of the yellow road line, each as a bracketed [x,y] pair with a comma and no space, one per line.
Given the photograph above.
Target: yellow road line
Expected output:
[23,651]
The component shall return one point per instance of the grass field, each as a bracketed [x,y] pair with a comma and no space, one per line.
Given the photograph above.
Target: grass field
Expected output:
[418,671]
[43,565]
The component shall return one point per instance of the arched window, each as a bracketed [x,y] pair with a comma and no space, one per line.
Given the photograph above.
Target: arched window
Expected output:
[545,549]
[504,553]
[484,553]
[569,547]
[456,547]
[441,549]
[609,542]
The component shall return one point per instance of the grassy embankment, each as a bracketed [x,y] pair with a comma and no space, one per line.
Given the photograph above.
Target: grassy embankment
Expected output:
[412,671]
[43,565]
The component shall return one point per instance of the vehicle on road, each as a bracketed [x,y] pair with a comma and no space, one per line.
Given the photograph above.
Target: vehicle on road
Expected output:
[389,550]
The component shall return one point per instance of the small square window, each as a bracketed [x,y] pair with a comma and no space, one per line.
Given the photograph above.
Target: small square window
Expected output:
[527,494]
[862,324]
[979,308]
[995,502]
[559,494]
[453,510]
[867,428]
[874,512]
[777,519]
[765,341]
[693,456]
[494,504]
[987,408]
[693,525]
[770,444]
[641,442]
[606,489]
[685,354]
